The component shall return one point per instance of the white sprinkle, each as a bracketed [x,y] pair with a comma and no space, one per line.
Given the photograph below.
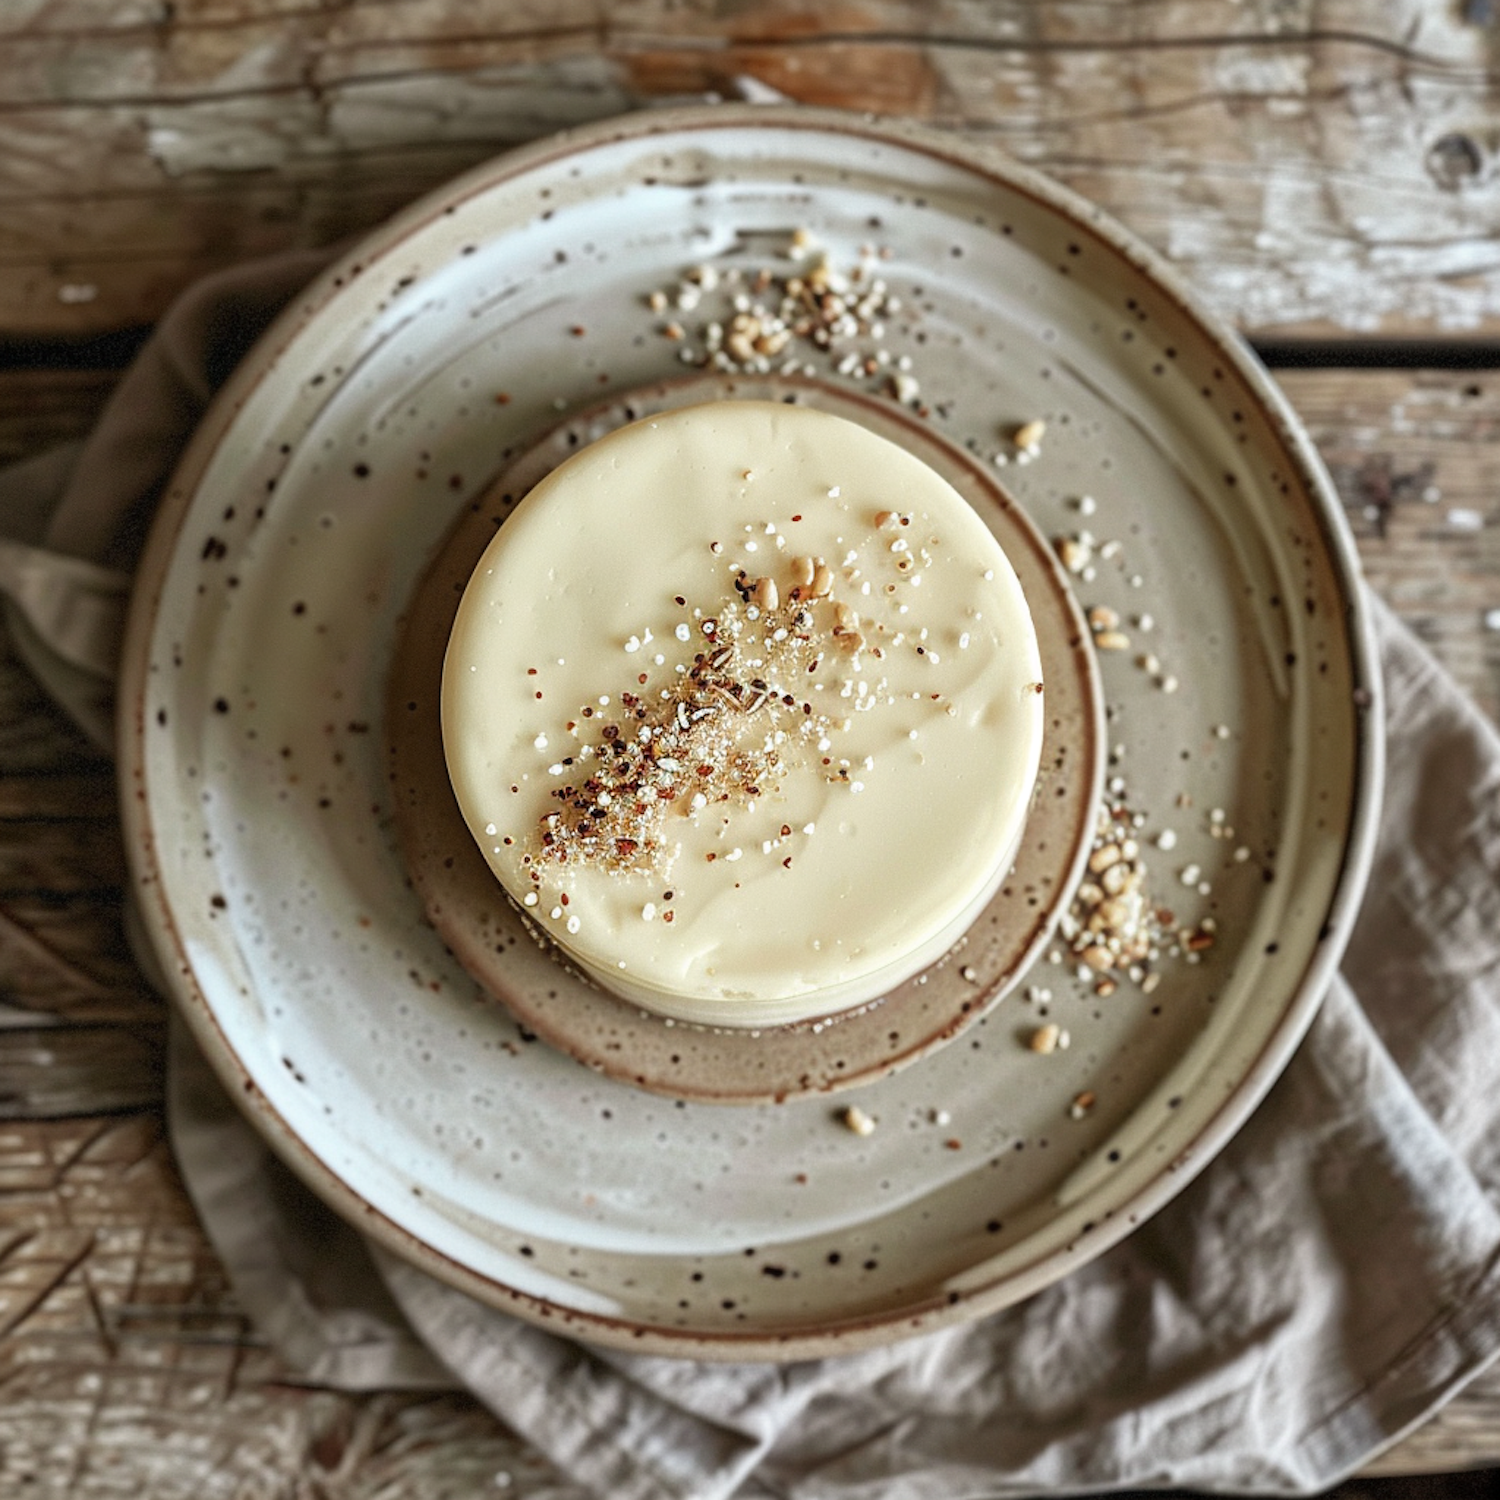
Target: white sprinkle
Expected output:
[834,492]
[1087,505]
[1241,854]
[1169,684]
[1463,519]
[540,742]
[574,924]
[555,913]
[1492,619]
[963,641]
[683,633]
[1144,622]
[648,912]
[1216,815]
[529,899]
[734,854]
[1221,731]
[809,828]
[555,769]
[1190,875]
[1166,839]
[490,829]
[940,1117]
[633,644]
[968,974]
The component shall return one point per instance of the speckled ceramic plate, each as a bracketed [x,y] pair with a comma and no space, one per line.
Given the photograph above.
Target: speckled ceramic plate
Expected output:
[491,937]
[261,828]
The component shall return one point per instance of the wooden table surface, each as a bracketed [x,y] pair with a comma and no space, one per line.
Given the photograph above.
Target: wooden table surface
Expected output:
[1323,171]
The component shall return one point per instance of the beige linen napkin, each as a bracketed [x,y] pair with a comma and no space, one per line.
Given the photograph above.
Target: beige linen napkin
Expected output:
[1328,1280]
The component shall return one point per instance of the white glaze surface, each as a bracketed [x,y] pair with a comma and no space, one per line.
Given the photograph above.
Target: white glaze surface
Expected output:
[884,804]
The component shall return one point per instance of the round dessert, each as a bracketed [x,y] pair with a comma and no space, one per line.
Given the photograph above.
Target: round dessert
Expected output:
[743,705]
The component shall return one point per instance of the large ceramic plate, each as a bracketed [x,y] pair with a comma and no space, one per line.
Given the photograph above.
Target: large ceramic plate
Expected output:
[261,832]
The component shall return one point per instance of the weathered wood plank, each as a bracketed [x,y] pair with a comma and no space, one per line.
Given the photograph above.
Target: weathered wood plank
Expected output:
[36,737]
[1307,163]
[125,1366]
[41,408]
[61,1072]
[1410,454]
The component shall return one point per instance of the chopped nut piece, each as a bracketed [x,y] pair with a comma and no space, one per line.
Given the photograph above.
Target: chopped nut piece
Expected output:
[822,581]
[1102,617]
[1074,553]
[1029,434]
[1112,640]
[766,594]
[904,388]
[1045,1038]
[855,1119]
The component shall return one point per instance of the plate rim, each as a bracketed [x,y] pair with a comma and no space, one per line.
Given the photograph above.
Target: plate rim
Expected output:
[861,1331]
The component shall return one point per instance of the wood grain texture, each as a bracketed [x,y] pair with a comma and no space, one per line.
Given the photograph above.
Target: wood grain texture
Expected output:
[125,1365]
[1411,455]
[1308,164]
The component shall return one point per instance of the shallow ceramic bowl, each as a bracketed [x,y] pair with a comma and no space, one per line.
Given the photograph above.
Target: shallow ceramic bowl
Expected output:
[260,824]
[520,965]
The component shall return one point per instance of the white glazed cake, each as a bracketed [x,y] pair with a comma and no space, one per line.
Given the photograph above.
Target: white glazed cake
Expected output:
[743,705]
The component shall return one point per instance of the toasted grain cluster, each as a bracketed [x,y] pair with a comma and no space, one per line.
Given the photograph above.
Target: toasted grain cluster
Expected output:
[718,735]
[776,318]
